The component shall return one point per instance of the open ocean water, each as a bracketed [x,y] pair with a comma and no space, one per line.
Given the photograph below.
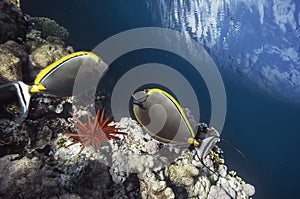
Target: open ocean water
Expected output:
[264,128]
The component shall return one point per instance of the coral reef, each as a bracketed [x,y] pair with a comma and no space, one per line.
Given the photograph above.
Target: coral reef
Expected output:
[185,177]
[136,166]
[29,175]
[151,187]
[12,22]
[37,163]
[24,61]
[17,49]
[48,27]
[10,66]
[48,52]
[43,54]
[13,57]
[128,168]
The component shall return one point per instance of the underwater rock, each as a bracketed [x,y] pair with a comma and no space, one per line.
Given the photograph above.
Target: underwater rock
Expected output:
[40,138]
[13,59]
[48,27]
[10,66]
[248,189]
[182,175]
[235,187]
[43,54]
[43,167]
[13,138]
[35,152]
[217,192]
[26,178]
[49,52]
[126,162]
[222,170]
[47,106]
[154,188]
[87,175]
[222,182]
[17,49]
[12,22]
[136,137]
[32,45]
[98,178]
[193,178]
[135,153]
[39,129]
[27,137]
[185,177]
[200,188]
[67,196]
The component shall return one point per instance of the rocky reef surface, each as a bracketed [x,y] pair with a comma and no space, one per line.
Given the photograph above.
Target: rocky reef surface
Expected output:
[12,22]
[34,159]
[28,44]
[36,163]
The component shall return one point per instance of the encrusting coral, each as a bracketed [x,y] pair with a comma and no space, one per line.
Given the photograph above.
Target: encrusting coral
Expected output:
[48,27]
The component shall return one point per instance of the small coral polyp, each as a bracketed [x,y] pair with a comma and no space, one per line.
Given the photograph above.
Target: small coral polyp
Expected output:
[95,132]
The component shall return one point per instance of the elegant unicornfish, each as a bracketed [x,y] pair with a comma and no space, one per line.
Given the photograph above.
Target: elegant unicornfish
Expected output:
[56,79]
[161,115]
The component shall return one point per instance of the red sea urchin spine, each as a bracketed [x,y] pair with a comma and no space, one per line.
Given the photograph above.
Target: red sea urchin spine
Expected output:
[94,132]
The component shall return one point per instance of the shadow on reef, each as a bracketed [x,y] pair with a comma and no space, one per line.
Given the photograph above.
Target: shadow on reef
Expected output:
[95,182]
[37,178]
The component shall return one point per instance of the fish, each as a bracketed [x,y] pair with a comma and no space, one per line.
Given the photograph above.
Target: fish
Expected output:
[57,79]
[161,115]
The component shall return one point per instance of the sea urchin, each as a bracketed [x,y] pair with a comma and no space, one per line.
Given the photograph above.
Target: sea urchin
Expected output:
[94,132]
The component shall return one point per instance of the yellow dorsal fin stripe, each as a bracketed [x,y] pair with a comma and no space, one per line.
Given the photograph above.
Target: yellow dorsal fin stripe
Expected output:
[49,68]
[177,105]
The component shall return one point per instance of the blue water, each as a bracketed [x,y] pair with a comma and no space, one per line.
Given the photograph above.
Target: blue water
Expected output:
[265,128]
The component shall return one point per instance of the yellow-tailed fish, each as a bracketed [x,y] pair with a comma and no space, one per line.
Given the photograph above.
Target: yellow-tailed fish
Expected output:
[161,115]
[57,79]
